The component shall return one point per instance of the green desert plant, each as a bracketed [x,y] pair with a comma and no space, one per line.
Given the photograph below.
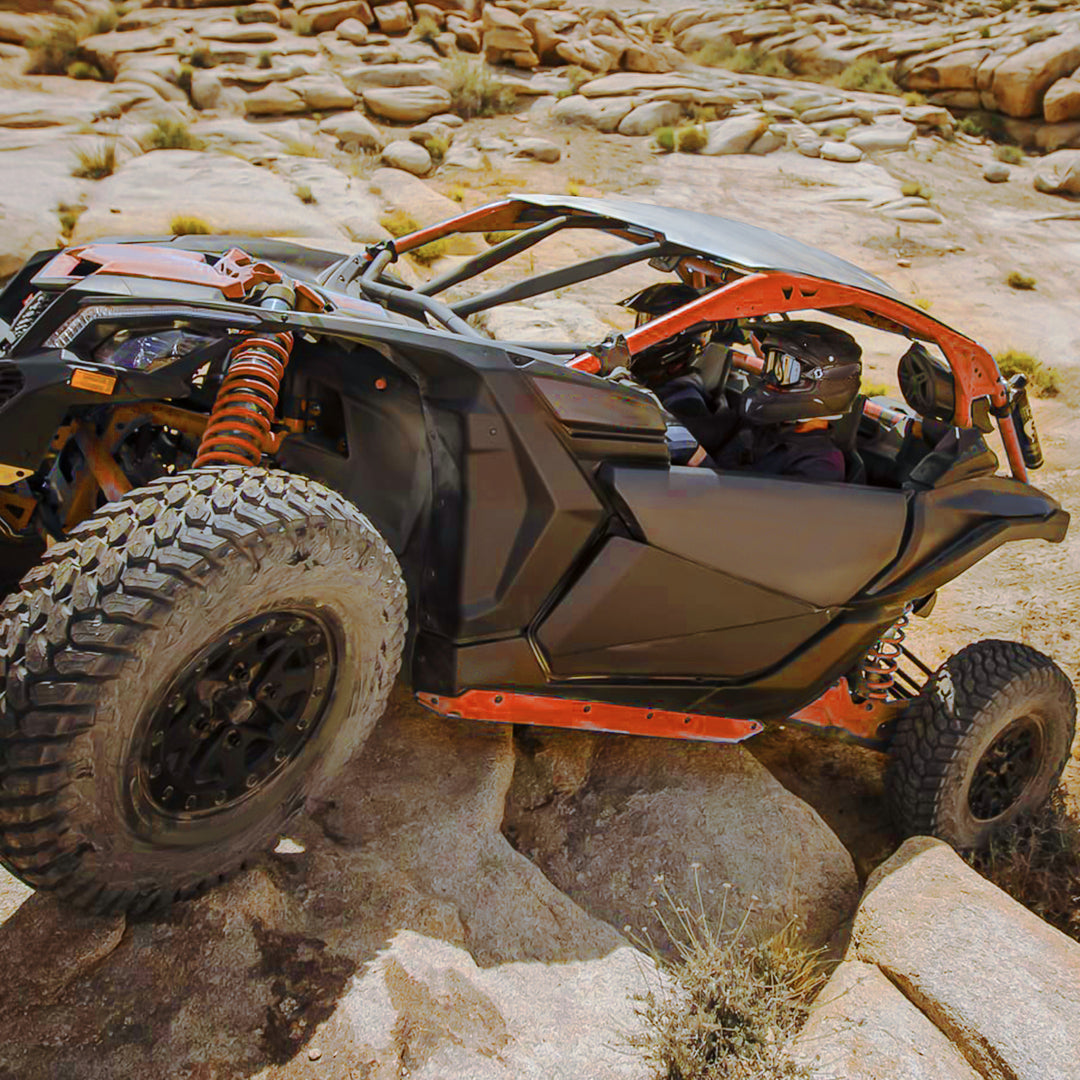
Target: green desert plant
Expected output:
[1011,155]
[729,1006]
[425,29]
[1041,378]
[715,53]
[574,186]
[703,114]
[55,51]
[1017,280]
[750,60]
[68,216]
[497,236]
[1037,862]
[436,146]
[300,147]
[913,97]
[690,139]
[401,223]
[664,137]
[95,162]
[475,90]
[577,77]
[868,75]
[83,69]
[913,189]
[874,389]
[174,135]
[184,77]
[304,193]
[188,225]
[265,60]
[201,57]
[457,193]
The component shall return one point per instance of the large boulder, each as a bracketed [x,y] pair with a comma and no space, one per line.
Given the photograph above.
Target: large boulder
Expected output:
[397,931]
[1059,173]
[227,194]
[1062,101]
[604,114]
[353,131]
[862,1028]
[549,319]
[645,119]
[1021,80]
[408,155]
[735,135]
[1003,985]
[407,104]
[607,818]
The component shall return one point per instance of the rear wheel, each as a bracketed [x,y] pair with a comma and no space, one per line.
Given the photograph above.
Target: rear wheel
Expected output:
[197,662]
[984,743]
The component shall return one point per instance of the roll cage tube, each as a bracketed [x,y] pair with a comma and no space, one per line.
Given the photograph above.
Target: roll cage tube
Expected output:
[755,295]
[750,296]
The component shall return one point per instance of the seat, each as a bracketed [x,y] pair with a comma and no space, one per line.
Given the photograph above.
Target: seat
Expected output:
[844,433]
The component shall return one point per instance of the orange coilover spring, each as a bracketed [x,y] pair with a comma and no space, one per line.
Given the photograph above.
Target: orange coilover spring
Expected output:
[239,429]
[883,659]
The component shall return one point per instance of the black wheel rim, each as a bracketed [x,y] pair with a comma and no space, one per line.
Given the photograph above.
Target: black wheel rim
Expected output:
[1006,770]
[236,716]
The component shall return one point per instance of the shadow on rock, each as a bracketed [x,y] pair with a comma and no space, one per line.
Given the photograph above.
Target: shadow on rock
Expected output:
[365,946]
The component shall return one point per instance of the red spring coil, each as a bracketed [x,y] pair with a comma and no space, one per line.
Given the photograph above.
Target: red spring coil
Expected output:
[881,662]
[239,428]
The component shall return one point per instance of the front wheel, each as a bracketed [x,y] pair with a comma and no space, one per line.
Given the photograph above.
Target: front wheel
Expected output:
[182,676]
[983,744]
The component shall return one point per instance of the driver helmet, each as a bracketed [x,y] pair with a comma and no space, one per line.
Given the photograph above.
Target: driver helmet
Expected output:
[812,372]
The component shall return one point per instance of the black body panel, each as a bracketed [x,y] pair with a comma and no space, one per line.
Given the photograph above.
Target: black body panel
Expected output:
[819,542]
[642,610]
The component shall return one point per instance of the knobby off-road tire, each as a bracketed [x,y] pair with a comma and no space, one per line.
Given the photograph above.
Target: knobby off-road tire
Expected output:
[983,744]
[182,676]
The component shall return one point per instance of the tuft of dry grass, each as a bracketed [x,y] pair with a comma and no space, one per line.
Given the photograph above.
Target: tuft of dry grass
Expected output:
[300,148]
[59,51]
[1017,280]
[874,389]
[401,223]
[425,29]
[1011,155]
[1041,378]
[188,225]
[474,89]
[304,193]
[1037,862]
[731,1006]
[174,135]
[748,60]
[95,162]
[868,75]
[436,146]
[69,216]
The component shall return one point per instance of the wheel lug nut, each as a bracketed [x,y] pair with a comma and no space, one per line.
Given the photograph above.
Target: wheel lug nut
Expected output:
[190,802]
[220,798]
[167,794]
[280,755]
[155,770]
[314,639]
[250,781]
[301,724]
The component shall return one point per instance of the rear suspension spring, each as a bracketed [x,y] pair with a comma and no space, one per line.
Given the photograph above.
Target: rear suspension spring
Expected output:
[881,662]
[238,432]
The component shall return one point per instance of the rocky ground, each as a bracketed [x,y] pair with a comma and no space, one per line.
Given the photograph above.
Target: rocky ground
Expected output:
[466,906]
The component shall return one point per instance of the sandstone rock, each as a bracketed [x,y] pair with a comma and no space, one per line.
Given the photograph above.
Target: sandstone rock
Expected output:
[394,75]
[639,808]
[550,319]
[651,58]
[274,100]
[1002,984]
[407,155]
[996,172]
[623,83]
[883,137]
[431,129]
[956,70]
[352,31]
[545,37]
[353,131]
[1021,80]
[773,139]
[401,191]
[394,18]
[862,1028]
[929,116]
[249,33]
[467,35]
[1059,173]
[323,17]
[344,200]
[503,31]
[230,195]
[735,135]
[450,120]
[604,114]
[584,54]
[31,108]
[840,151]
[1062,101]
[407,104]
[919,215]
[645,119]
[536,149]
[108,50]
[809,147]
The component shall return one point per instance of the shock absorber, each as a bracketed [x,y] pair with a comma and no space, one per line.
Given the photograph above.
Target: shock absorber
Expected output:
[239,427]
[881,662]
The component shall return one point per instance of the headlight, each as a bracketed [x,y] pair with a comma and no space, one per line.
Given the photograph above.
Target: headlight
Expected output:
[145,352]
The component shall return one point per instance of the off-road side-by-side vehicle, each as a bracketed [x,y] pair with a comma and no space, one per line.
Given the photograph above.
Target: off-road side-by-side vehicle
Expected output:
[243,482]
